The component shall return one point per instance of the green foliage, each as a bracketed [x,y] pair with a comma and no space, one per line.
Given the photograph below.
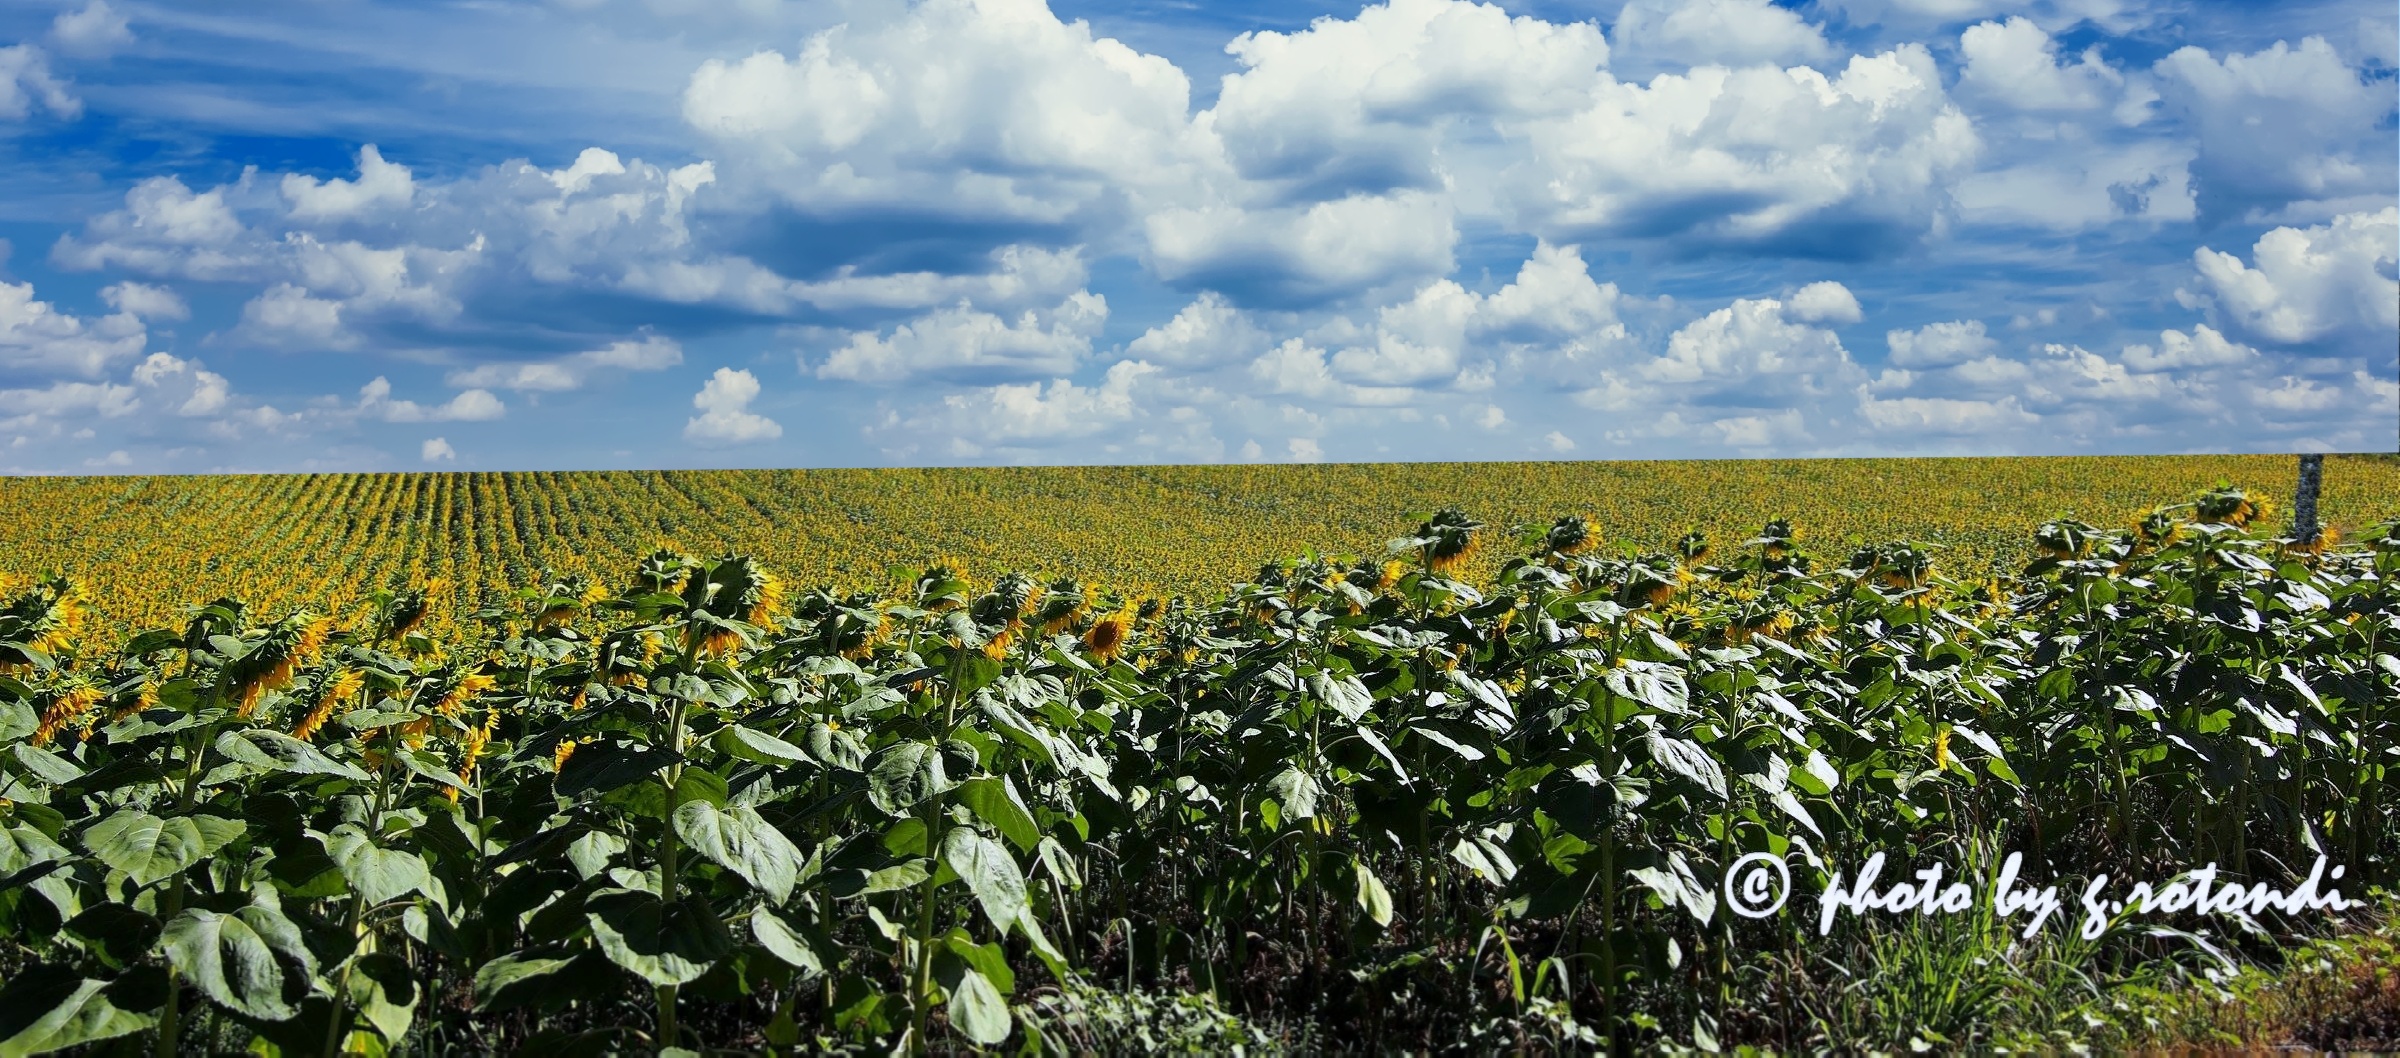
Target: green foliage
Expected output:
[1355,795]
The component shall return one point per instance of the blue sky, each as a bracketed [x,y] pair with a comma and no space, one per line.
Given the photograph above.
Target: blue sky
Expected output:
[348,234]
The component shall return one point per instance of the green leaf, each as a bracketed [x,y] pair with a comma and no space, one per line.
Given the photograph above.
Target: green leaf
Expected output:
[750,745]
[252,961]
[742,841]
[43,1012]
[977,1011]
[1373,898]
[904,775]
[1296,791]
[785,943]
[515,979]
[990,873]
[149,848]
[995,801]
[1347,696]
[1687,759]
[377,874]
[47,766]
[665,944]
[275,751]
[384,989]
[125,932]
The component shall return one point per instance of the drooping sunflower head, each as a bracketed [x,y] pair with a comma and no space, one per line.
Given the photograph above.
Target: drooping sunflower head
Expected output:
[1571,535]
[1448,540]
[1062,606]
[462,689]
[2065,538]
[2226,505]
[68,705]
[942,586]
[1693,547]
[664,571]
[44,618]
[2158,528]
[272,661]
[399,612]
[332,691]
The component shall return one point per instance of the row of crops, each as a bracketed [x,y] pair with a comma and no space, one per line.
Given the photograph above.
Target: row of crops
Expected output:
[143,547]
[1381,799]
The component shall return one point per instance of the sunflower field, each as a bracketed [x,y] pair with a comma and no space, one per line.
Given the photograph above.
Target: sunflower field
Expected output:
[1475,788]
[143,547]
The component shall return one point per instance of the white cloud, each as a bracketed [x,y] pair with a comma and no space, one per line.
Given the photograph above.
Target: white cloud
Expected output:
[1760,158]
[380,184]
[1824,301]
[992,108]
[34,336]
[1716,32]
[2280,125]
[474,405]
[2204,347]
[1558,442]
[183,385]
[1304,450]
[1038,414]
[1208,332]
[1940,344]
[2016,65]
[1357,104]
[63,399]
[25,80]
[146,302]
[651,353]
[725,418]
[2325,282]
[962,342]
[285,316]
[1308,253]
[437,450]
[94,31]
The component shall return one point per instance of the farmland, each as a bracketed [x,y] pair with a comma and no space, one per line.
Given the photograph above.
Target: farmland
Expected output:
[144,547]
[1473,789]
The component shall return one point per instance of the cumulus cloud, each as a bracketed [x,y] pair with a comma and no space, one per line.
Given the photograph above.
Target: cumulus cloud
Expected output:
[1208,332]
[1776,160]
[474,405]
[146,302]
[2281,125]
[725,417]
[1038,414]
[1664,34]
[2015,64]
[25,81]
[1300,255]
[650,353]
[380,185]
[2202,348]
[2324,283]
[182,386]
[963,343]
[1824,301]
[437,450]
[35,336]
[1940,344]
[93,31]
[992,108]
[1356,106]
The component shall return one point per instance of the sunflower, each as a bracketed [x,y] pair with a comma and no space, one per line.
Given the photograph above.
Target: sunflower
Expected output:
[471,749]
[1062,606]
[290,644]
[467,687]
[69,706]
[1447,541]
[335,691]
[1571,535]
[1107,635]
[44,619]
[565,749]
